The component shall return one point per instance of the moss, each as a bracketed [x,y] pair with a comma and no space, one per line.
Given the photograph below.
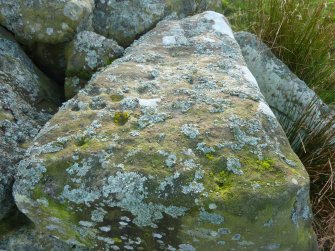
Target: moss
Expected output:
[116,97]
[150,159]
[55,171]
[264,164]
[117,240]
[2,116]
[109,61]
[255,216]
[209,156]
[223,179]
[93,145]
[60,211]
[55,167]
[121,118]
[80,141]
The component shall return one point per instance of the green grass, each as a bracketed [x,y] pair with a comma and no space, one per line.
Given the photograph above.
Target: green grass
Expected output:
[300,32]
[314,142]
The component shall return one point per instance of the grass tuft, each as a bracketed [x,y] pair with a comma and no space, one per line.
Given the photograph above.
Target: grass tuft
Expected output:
[300,32]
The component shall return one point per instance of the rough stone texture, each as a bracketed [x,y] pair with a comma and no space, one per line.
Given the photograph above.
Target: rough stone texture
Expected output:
[27,98]
[287,95]
[84,56]
[172,147]
[126,20]
[45,21]
[27,238]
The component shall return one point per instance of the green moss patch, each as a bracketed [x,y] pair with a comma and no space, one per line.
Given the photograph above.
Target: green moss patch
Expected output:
[121,118]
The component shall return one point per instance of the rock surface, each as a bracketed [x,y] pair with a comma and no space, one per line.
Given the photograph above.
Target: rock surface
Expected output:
[27,238]
[172,147]
[288,96]
[45,21]
[126,20]
[84,56]
[27,98]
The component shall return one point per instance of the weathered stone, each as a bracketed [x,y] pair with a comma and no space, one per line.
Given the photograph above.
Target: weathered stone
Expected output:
[172,147]
[125,20]
[27,238]
[27,98]
[288,96]
[84,56]
[45,21]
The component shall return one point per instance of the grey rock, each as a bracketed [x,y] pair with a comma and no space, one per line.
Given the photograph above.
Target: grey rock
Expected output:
[27,238]
[288,96]
[27,99]
[45,21]
[125,20]
[116,168]
[84,56]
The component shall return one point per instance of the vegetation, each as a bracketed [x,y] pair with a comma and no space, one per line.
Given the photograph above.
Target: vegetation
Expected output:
[314,142]
[302,34]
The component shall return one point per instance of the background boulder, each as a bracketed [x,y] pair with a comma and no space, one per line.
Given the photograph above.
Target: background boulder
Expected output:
[288,96]
[27,100]
[125,21]
[43,21]
[84,56]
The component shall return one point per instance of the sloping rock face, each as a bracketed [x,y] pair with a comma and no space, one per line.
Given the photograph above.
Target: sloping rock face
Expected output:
[172,147]
[287,95]
[27,98]
[84,56]
[126,20]
[28,239]
[45,21]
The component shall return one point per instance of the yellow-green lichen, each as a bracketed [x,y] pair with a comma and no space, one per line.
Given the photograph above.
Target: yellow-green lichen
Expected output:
[264,164]
[117,240]
[116,97]
[121,118]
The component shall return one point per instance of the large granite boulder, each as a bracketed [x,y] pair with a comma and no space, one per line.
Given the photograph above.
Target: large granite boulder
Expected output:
[27,99]
[288,96]
[172,147]
[84,56]
[125,20]
[45,21]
